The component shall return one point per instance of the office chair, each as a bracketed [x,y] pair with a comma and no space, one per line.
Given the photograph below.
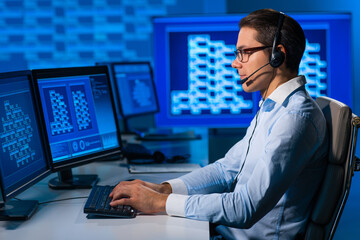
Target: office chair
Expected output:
[334,191]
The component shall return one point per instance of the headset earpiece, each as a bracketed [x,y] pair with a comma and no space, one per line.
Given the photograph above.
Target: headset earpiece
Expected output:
[277,57]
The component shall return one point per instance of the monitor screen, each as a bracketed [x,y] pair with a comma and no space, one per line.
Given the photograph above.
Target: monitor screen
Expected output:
[135,88]
[198,86]
[23,159]
[78,113]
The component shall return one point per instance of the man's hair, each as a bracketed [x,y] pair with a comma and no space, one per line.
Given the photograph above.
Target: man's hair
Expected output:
[292,37]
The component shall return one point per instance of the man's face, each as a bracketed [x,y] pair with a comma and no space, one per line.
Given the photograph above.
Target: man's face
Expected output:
[253,61]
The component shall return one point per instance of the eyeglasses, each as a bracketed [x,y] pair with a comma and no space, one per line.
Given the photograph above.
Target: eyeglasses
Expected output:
[242,55]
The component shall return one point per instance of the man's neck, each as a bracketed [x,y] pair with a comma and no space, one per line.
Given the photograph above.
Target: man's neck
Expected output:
[280,78]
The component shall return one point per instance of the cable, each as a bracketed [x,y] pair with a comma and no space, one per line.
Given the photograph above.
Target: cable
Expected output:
[64,199]
[233,184]
[59,200]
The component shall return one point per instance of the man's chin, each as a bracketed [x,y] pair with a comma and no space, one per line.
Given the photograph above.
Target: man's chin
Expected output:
[248,87]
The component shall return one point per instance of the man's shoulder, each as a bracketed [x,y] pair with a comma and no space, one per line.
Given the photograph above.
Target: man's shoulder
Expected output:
[300,100]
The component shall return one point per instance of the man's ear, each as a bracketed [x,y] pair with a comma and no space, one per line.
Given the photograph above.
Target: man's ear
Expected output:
[282,48]
[277,57]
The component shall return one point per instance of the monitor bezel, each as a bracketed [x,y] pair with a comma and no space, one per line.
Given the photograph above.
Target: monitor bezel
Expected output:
[118,98]
[67,72]
[30,181]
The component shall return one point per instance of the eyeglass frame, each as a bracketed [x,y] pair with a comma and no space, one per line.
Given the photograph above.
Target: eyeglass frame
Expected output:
[248,52]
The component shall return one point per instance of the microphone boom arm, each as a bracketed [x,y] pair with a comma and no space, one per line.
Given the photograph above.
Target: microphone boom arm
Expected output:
[247,78]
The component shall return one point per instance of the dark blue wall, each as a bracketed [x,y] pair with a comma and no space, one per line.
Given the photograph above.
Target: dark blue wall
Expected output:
[58,33]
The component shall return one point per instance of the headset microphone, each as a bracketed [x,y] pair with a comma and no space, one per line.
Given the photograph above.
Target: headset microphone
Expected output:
[245,79]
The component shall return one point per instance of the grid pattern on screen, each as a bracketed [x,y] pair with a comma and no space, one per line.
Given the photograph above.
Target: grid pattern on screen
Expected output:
[62,33]
[81,108]
[16,135]
[60,111]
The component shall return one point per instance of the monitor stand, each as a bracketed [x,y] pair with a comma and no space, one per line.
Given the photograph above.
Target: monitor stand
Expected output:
[129,131]
[18,210]
[66,180]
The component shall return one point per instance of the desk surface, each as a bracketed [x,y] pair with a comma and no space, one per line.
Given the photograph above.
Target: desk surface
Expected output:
[66,220]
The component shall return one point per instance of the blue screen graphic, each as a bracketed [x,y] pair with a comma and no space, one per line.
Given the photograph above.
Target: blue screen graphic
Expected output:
[198,86]
[135,88]
[213,87]
[78,114]
[21,150]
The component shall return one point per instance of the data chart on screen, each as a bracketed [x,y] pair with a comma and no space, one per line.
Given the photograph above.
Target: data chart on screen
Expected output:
[78,114]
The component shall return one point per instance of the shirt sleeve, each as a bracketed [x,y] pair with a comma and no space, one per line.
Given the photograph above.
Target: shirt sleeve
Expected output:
[175,205]
[178,186]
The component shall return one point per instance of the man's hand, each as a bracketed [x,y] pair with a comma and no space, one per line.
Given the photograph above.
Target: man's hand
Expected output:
[144,196]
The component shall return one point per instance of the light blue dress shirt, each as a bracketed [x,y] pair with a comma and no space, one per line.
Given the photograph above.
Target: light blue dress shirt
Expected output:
[281,172]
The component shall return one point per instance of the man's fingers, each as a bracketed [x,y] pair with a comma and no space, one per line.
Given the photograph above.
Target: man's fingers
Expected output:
[126,183]
[117,196]
[130,182]
[122,201]
[120,192]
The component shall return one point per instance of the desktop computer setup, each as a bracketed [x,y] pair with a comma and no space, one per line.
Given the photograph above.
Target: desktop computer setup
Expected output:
[53,120]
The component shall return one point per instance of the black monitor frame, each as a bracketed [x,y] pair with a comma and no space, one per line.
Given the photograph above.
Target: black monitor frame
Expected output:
[23,209]
[66,180]
[116,92]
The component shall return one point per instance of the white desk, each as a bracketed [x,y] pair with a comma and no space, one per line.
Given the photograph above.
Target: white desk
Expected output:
[66,220]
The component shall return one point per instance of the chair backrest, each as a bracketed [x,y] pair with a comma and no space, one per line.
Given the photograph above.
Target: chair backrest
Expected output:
[335,187]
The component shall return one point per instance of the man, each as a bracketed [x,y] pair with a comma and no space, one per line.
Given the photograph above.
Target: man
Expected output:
[264,186]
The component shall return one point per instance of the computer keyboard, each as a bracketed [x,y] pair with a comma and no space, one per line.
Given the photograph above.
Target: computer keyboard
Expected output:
[98,203]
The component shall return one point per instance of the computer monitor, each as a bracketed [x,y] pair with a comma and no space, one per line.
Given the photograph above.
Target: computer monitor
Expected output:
[198,87]
[78,115]
[134,89]
[23,160]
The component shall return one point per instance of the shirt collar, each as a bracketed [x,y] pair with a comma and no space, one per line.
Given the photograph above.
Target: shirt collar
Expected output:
[284,90]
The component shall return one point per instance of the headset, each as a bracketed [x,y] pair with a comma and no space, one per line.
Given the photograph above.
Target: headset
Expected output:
[277,57]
